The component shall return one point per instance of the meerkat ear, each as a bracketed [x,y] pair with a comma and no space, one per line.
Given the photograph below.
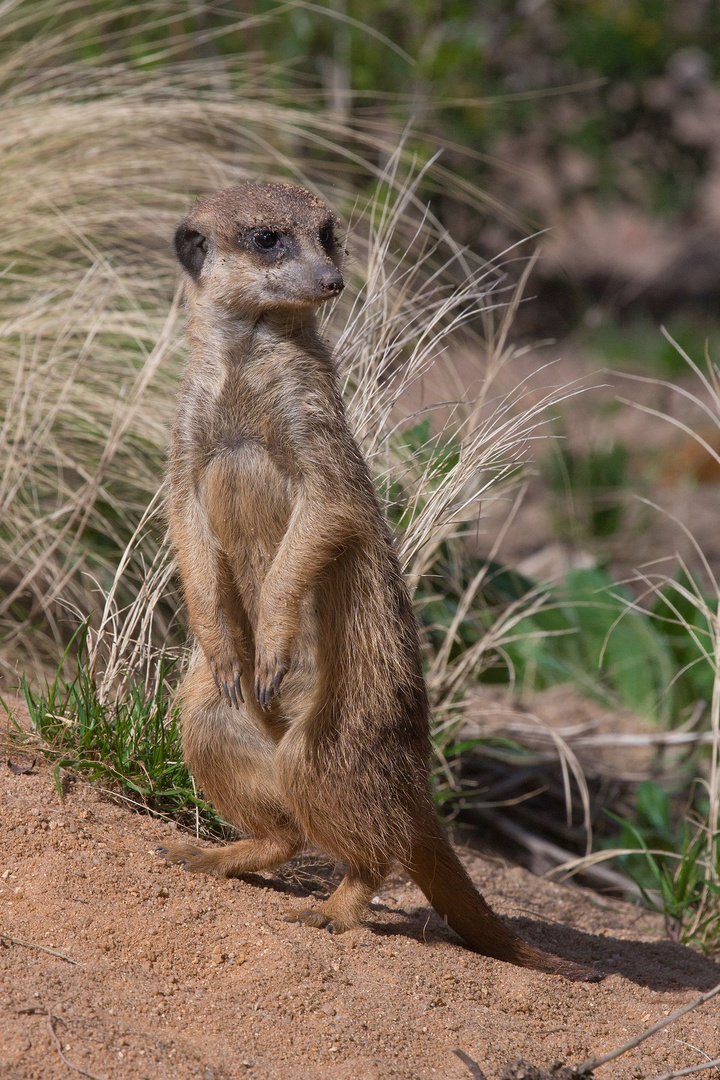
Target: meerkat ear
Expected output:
[191,248]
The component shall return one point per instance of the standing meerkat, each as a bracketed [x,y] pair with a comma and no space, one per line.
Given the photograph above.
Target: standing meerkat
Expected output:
[304,712]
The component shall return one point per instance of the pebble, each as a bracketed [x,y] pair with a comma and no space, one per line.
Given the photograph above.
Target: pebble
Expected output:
[218,956]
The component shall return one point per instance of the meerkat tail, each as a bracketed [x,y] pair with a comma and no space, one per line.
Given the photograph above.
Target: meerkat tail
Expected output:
[436,869]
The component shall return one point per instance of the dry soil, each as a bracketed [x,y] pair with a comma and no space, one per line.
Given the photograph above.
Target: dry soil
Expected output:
[164,975]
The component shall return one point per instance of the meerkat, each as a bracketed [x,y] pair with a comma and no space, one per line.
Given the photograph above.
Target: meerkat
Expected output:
[304,712]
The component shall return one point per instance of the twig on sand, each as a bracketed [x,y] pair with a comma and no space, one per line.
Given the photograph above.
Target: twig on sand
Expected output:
[599,876]
[593,1063]
[66,1061]
[693,1069]
[42,948]
[475,1070]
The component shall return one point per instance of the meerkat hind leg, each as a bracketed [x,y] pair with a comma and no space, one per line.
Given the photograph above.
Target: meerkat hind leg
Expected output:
[346,907]
[242,857]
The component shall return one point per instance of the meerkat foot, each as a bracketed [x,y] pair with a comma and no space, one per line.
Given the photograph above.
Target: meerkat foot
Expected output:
[243,857]
[186,855]
[347,906]
[320,919]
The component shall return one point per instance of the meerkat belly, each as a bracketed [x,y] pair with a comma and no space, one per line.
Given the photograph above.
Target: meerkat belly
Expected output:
[249,501]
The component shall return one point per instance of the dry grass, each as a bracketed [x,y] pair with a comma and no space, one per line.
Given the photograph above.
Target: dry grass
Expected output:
[99,163]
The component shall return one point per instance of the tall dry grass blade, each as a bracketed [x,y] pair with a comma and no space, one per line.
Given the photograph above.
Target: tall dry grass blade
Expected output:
[99,162]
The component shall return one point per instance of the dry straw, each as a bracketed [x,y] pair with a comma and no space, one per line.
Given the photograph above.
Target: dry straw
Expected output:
[99,162]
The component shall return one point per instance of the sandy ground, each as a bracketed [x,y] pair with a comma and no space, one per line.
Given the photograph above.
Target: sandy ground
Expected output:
[175,976]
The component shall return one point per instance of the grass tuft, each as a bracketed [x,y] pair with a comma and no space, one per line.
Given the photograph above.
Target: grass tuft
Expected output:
[131,745]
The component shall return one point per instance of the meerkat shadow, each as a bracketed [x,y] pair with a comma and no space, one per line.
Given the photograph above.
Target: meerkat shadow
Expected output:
[308,875]
[659,965]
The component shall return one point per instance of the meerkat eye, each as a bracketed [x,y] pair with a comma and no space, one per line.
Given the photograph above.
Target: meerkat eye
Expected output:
[266,239]
[326,236]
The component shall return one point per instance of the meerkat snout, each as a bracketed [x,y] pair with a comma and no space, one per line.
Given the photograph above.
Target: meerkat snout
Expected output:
[332,283]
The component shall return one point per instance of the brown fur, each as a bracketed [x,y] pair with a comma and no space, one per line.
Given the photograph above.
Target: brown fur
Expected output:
[305,716]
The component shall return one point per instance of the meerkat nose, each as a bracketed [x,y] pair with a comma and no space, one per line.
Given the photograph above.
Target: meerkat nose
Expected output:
[332,283]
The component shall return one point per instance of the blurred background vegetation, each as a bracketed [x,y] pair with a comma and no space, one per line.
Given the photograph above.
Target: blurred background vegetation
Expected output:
[599,119]
[587,128]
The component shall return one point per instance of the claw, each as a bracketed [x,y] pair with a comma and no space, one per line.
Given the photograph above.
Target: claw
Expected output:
[230,690]
[267,686]
[215,678]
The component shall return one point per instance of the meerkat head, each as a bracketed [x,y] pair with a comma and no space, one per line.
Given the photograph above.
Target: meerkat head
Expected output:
[261,246]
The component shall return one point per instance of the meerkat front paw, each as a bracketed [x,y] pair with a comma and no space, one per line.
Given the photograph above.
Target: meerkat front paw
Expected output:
[274,645]
[226,673]
[270,670]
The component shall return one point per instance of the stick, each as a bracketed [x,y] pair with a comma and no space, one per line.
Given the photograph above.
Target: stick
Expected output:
[594,1063]
[475,1070]
[660,738]
[42,948]
[600,876]
[692,1069]
[58,1047]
